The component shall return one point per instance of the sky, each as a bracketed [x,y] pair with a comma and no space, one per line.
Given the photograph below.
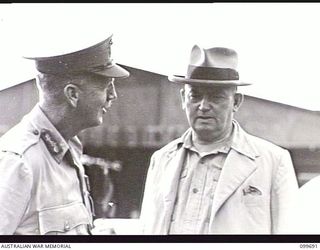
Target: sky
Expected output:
[278,44]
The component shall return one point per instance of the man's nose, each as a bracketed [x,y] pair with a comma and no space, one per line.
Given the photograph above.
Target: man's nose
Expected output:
[205,104]
[111,93]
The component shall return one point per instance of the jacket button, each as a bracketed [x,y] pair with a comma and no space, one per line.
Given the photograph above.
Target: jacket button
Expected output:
[35,132]
[56,149]
[195,190]
[66,225]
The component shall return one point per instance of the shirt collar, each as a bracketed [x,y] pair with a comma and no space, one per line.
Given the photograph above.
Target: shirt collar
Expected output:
[242,143]
[223,146]
[55,143]
[238,141]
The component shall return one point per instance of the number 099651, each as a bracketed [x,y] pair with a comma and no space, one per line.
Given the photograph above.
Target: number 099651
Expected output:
[308,245]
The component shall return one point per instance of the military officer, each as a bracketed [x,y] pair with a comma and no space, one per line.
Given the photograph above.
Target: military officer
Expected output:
[43,188]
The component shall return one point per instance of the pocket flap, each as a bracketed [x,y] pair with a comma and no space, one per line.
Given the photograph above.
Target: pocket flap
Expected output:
[63,218]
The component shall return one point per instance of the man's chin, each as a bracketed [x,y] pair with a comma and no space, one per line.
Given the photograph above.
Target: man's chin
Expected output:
[97,123]
[204,129]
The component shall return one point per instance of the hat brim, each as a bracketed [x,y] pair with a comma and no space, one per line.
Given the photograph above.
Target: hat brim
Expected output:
[182,79]
[114,71]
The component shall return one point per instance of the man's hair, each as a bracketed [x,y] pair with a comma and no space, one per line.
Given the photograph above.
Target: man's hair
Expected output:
[51,86]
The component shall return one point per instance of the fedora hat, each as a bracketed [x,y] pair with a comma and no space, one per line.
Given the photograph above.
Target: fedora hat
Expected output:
[214,66]
[93,59]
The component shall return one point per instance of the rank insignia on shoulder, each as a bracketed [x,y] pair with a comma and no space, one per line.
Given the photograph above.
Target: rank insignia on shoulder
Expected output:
[51,144]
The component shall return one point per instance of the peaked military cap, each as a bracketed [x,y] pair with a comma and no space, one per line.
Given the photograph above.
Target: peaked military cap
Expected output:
[95,59]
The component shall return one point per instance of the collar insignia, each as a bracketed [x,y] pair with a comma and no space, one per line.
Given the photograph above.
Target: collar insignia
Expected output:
[51,144]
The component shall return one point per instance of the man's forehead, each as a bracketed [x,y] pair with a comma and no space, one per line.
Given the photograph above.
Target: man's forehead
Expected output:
[108,81]
[94,80]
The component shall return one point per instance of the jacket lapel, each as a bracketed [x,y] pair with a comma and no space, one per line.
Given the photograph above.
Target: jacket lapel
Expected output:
[235,171]
[239,165]
[171,182]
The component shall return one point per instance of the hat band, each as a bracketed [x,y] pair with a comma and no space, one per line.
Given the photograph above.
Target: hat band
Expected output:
[212,73]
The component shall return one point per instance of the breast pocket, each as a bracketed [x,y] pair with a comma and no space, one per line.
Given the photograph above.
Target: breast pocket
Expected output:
[250,200]
[254,196]
[66,219]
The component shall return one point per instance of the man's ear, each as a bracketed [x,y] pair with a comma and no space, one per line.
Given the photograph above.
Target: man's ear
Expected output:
[238,99]
[183,99]
[71,93]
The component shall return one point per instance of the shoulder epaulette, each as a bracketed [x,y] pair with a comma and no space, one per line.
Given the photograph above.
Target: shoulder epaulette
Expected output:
[19,138]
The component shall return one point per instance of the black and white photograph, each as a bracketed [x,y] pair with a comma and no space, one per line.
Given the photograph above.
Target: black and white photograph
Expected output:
[158,122]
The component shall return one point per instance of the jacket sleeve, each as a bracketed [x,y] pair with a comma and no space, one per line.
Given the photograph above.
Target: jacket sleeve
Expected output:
[15,191]
[147,195]
[284,190]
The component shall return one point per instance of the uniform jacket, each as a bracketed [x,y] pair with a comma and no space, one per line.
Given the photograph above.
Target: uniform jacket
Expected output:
[254,189]
[39,192]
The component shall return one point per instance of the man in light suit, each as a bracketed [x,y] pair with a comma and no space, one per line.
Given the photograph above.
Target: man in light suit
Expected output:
[216,178]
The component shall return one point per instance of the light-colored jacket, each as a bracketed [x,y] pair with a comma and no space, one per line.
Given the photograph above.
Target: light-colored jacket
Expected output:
[39,189]
[256,186]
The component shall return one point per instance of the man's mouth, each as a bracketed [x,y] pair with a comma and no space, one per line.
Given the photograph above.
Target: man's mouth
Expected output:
[205,117]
